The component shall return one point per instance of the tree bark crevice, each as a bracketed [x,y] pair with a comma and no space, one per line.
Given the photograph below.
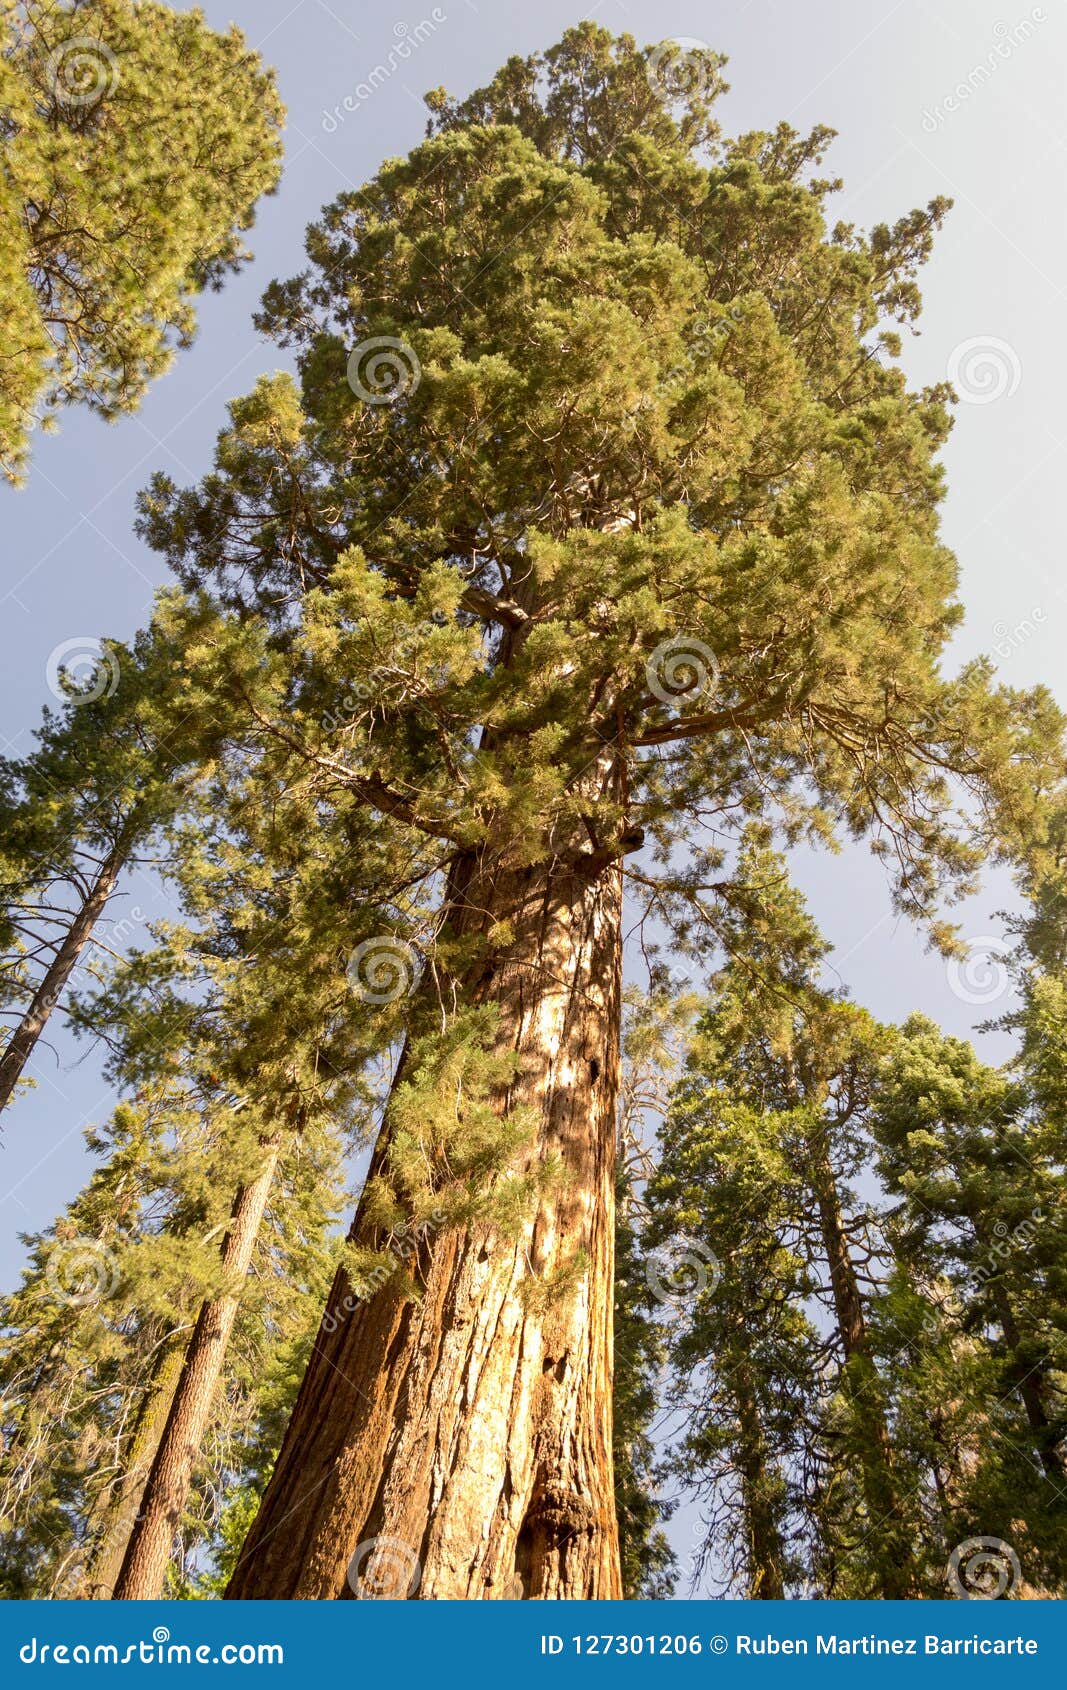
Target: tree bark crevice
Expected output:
[429,1451]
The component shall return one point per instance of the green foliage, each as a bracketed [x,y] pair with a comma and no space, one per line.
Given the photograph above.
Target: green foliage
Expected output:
[118,773]
[878,1373]
[108,1299]
[979,1225]
[136,142]
[648,1562]
[635,544]
[656,420]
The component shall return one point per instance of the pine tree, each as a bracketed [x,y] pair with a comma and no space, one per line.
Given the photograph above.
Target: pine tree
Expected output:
[646,1558]
[763,1142]
[106,1291]
[981,1201]
[114,773]
[96,1339]
[279,1072]
[931,1410]
[244,1078]
[136,142]
[614,536]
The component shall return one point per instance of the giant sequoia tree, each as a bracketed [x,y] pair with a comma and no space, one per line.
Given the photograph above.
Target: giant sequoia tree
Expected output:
[602,521]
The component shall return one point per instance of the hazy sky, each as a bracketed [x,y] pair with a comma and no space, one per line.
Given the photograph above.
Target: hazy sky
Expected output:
[957,97]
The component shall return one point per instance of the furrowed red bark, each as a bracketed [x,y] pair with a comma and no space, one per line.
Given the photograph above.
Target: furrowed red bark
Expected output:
[144,1564]
[23,1040]
[460,1447]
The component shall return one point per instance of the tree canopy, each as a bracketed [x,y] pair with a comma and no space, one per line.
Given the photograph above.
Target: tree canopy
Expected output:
[136,143]
[592,554]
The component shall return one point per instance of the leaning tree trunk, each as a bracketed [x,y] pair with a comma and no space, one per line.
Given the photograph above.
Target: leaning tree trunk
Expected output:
[460,1446]
[117,1512]
[23,1040]
[151,1543]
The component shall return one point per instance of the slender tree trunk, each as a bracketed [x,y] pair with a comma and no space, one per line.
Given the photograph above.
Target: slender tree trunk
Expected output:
[844,1284]
[766,1550]
[1033,1385]
[1032,1382]
[148,1552]
[861,1375]
[119,1511]
[460,1447]
[22,1042]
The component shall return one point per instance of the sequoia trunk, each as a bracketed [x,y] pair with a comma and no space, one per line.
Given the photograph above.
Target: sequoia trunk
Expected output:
[144,1565]
[460,1446]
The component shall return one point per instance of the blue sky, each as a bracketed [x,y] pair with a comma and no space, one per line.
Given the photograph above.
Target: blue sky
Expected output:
[960,97]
